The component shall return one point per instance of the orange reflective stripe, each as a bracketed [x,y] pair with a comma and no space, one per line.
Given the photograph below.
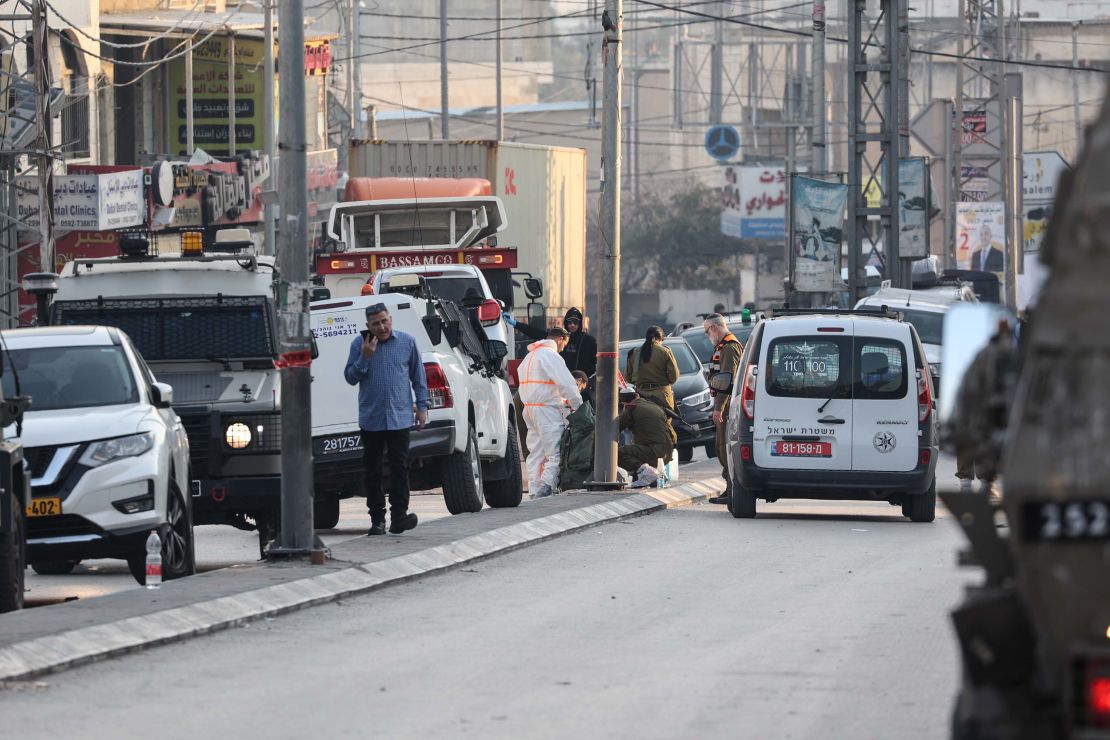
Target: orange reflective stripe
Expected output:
[536,404]
[537,382]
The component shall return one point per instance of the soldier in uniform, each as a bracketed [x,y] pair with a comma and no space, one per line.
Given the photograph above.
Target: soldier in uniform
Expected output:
[653,369]
[726,359]
[653,437]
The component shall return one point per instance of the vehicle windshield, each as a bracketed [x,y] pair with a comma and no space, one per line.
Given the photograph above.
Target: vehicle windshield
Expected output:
[453,288]
[688,362]
[929,324]
[703,348]
[71,377]
[219,328]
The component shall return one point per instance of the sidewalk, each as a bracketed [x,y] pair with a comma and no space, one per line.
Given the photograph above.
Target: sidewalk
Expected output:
[52,638]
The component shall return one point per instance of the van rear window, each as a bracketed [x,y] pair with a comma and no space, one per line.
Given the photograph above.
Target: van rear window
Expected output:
[882,369]
[805,367]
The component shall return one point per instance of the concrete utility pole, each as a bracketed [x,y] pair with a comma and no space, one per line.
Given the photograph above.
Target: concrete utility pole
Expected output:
[607,314]
[1015,220]
[716,66]
[294,344]
[500,100]
[1075,90]
[39,33]
[355,71]
[445,126]
[270,246]
[231,95]
[818,162]
[189,142]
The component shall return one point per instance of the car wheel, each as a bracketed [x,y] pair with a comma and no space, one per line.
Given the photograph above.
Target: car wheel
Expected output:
[325,512]
[507,493]
[741,502]
[12,563]
[54,567]
[176,533]
[711,450]
[685,454]
[462,477]
[923,507]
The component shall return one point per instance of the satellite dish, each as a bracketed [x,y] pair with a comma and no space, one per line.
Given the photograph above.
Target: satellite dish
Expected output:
[161,183]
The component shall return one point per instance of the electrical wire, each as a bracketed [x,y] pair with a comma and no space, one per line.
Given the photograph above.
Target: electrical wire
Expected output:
[162,34]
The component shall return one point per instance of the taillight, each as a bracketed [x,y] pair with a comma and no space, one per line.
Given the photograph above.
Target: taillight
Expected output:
[747,393]
[746,453]
[489,313]
[439,393]
[924,397]
[925,456]
[1098,700]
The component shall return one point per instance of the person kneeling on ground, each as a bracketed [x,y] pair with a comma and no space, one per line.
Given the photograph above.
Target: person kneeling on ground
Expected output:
[576,465]
[653,437]
[546,390]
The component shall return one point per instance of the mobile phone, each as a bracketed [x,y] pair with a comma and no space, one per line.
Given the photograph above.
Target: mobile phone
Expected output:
[365,334]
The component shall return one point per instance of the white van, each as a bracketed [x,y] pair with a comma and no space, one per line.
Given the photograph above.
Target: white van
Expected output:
[469,445]
[835,405]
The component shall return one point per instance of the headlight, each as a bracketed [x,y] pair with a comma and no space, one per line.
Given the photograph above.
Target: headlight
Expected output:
[237,435]
[698,399]
[114,449]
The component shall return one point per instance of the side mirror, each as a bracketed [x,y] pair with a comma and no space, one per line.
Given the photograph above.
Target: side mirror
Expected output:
[161,395]
[496,350]
[434,326]
[537,314]
[452,330]
[321,294]
[314,349]
[721,382]
[968,328]
[533,288]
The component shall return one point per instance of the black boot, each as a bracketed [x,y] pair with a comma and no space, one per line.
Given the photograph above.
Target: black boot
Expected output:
[725,495]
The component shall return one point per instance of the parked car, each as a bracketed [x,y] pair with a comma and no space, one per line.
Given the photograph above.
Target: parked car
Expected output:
[108,457]
[691,395]
[703,348]
[833,406]
[469,446]
[925,309]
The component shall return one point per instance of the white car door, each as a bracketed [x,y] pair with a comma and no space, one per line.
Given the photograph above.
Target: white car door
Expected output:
[803,406]
[884,417]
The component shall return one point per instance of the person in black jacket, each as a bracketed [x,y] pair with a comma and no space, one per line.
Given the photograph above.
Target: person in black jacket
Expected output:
[581,351]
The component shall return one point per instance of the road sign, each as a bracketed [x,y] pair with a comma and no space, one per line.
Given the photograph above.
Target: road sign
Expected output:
[722,142]
[1041,173]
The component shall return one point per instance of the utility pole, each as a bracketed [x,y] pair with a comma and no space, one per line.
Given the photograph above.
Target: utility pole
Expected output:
[39,32]
[445,127]
[500,100]
[294,353]
[189,112]
[1014,182]
[270,246]
[818,160]
[355,72]
[608,309]
[716,67]
[1075,90]
[231,95]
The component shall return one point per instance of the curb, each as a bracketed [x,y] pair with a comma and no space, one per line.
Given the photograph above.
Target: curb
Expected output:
[32,658]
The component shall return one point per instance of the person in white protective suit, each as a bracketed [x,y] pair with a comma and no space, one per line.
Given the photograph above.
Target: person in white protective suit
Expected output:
[549,393]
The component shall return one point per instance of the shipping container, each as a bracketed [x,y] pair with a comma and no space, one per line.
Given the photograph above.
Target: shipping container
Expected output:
[543,188]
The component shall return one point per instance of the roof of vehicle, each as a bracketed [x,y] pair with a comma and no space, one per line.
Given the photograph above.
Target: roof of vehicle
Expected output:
[54,336]
[812,322]
[87,279]
[939,298]
[469,270]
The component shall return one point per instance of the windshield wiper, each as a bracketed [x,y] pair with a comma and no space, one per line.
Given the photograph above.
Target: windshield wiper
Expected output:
[836,390]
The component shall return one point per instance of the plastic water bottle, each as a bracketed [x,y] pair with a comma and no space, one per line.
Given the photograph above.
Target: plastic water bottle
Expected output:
[153,560]
[661,482]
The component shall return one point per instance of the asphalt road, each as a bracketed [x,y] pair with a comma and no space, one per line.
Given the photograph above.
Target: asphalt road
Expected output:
[814,620]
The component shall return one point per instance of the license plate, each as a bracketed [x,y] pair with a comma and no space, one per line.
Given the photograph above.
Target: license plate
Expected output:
[1066,521]
[44,507]
[338,444]
[803,449]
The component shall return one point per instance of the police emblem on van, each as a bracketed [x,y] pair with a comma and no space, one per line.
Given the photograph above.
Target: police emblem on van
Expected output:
[885,442]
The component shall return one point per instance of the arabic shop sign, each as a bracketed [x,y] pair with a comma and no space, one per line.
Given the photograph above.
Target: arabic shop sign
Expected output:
[753,203]
[93,202]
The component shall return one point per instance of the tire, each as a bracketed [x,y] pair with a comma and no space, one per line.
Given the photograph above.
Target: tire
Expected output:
[508,493]
[685,454]
[462,478]
[12,560]
[325,512]
[54,567]
[923,507]
[741,503]
[711,450]
[178,551]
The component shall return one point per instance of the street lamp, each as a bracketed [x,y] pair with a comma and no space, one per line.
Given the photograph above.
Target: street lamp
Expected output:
[41,285]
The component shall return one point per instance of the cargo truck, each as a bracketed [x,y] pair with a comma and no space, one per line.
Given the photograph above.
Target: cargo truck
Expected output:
[543,189]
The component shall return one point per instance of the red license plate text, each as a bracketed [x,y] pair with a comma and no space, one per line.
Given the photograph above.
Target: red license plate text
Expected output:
[803,449]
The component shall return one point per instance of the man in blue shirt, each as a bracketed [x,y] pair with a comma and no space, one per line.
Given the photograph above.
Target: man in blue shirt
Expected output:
[385,365]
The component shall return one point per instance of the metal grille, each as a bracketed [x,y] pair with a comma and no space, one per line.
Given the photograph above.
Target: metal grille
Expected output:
[226,327]
[75,120]
[38,459]
[199,431]
[269,438]
[63,525]
[804,367]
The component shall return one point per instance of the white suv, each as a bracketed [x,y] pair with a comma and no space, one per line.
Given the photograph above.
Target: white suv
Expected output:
[835,405]
[108,457]
[469,445]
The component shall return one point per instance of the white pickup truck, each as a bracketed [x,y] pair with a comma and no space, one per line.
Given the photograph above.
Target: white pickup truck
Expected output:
[469,445]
